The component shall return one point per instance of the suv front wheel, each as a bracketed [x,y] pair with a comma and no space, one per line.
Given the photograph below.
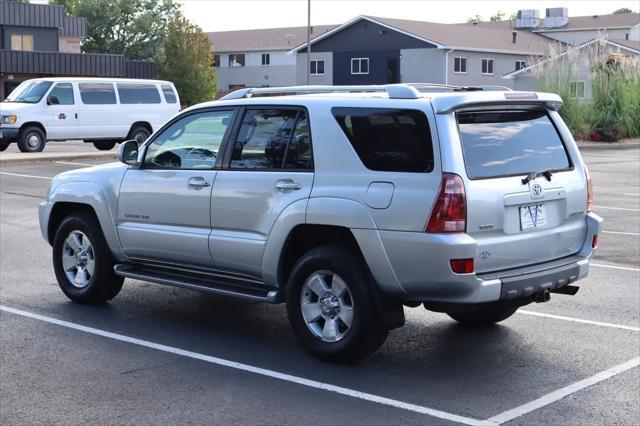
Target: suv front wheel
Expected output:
[329,305]
[83,262]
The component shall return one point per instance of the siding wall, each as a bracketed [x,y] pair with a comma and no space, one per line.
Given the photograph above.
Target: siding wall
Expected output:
[31,15]
[502,64]
[280,72]
[301,68]
[578,37]
[44,39]
[422,66]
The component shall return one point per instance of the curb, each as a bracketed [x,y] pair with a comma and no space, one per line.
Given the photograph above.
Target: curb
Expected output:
[31,158]
[607,145]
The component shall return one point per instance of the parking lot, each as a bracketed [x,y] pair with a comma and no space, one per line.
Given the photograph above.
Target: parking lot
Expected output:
[158,354]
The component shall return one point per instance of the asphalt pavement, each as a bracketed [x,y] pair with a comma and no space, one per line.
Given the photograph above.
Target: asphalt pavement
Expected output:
[160,355]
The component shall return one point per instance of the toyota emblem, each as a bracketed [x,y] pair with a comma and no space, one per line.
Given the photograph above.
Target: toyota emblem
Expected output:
[536,190]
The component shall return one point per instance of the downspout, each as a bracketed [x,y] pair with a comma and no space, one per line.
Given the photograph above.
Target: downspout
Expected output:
[446,66]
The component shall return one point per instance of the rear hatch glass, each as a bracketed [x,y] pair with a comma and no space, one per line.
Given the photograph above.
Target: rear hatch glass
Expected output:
[510,143]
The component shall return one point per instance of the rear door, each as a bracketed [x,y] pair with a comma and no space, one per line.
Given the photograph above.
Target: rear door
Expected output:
[519,220]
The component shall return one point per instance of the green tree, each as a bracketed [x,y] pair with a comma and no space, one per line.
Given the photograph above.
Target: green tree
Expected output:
[186,61]
[498,16]
[135,28]
[622,11]
[474,19]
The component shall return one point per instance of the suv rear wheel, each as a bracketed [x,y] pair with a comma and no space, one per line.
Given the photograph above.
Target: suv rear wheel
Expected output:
[329,305]
[83,262]
[104,145]
[484,315]
[139,134]
[31,139]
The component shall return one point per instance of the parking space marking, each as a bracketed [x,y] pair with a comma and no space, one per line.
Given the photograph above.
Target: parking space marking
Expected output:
[75,164]
[255,370]
[635,234]
[633,194]
[27,176]
[616,208]
[622,268]
[583,321]
[563,392]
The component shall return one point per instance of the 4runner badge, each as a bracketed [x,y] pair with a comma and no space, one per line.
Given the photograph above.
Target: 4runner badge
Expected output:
[484,255]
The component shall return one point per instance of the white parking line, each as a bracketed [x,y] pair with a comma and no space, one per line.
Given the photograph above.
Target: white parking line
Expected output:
[633,194]
[75,164]
[621,268]
[583,321]
[616,208]
[635,234]
[27,176]
[255,370]
[563,392]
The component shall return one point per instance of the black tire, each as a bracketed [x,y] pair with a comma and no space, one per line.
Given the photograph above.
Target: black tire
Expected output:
[4,145]
[103,284]
[365,335]
[104,145]
[139,134]
[484,315]
[31,139]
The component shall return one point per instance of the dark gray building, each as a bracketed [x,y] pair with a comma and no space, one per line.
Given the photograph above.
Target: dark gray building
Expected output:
[39,40]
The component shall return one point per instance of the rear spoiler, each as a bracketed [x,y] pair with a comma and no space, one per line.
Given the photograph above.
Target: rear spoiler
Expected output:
[458,101]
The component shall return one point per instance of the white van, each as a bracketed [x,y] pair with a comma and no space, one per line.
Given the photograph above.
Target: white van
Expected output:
[99,110]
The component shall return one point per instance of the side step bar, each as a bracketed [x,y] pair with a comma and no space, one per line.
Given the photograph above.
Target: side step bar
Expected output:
[200,281]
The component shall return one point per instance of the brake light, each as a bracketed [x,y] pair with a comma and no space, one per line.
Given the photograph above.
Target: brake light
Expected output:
[594,241]
[589,189]
[450,210]
[462,266]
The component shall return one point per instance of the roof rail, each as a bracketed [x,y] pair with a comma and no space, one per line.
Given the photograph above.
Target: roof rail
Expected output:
[394,91]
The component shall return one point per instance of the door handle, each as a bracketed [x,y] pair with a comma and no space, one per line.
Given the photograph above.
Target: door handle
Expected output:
[287,185]
[198,182]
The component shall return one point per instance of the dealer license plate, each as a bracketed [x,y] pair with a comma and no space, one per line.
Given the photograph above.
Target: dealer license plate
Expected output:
[532,216]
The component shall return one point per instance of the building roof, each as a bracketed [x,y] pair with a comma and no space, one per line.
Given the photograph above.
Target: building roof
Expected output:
[263,39]
[629,44]
[454,36]
[576,23]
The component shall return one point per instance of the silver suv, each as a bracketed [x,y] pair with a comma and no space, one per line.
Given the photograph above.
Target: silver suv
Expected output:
[347,203]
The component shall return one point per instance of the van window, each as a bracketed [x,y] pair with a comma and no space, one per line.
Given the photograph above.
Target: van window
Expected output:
[97,93]
[388,139]
[131,93]
[510,143]
[169,95]
[64,94]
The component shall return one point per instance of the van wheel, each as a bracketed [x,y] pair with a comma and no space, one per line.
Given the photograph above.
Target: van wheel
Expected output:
[139,134]
[483,315]
[104,145]
[4,145]
[83,262]
[31,139]
[329,305]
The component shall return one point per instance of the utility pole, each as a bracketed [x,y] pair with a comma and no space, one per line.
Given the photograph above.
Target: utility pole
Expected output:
[308,42]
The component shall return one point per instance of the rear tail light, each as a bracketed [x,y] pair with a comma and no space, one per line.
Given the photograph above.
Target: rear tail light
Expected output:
[589,189]
[594,241]
[450,210]
[462,266]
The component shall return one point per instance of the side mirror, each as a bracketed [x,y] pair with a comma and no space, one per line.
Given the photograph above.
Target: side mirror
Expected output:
[128,153]
[53,100]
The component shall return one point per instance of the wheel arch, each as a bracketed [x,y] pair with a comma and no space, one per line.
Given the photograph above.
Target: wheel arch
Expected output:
[142,123]
[33,124]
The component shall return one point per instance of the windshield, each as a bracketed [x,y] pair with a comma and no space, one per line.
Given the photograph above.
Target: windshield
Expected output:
[29,92]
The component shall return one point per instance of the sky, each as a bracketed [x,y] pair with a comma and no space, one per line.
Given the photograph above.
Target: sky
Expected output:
[224,15]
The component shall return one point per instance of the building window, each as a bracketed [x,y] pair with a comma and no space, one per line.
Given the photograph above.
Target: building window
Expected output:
[22,42]
[266,59]
[236,60]
[520,65]
[216,61]
[359,65]
[316,67]
[577,89]
[460,65]
[487,66]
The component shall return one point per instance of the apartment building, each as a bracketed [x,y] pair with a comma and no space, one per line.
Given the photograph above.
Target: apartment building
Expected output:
[40,40]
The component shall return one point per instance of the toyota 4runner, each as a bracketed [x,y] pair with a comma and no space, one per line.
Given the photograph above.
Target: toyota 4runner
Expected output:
[347,203]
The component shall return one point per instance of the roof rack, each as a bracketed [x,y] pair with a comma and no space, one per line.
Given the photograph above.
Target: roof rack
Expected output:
[394,91]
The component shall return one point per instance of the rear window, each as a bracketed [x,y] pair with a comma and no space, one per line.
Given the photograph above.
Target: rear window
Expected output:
[387,139]
[169,95]
[97,93]
[138,93]
[510,143]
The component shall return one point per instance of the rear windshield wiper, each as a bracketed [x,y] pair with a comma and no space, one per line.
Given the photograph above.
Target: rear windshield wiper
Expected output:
[531,176]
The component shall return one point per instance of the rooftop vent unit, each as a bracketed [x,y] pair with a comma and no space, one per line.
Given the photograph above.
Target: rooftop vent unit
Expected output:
[529,18]
[556,17]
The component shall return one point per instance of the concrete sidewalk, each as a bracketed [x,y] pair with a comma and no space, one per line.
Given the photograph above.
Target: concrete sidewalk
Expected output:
[56,151]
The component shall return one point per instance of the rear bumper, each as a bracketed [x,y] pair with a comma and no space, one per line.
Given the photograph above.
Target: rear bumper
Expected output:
[420,263]
[9,134]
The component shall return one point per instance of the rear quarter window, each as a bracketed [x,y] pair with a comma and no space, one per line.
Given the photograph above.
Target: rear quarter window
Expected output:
[510,143]
[388,139]
[131,93]
[169,95]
